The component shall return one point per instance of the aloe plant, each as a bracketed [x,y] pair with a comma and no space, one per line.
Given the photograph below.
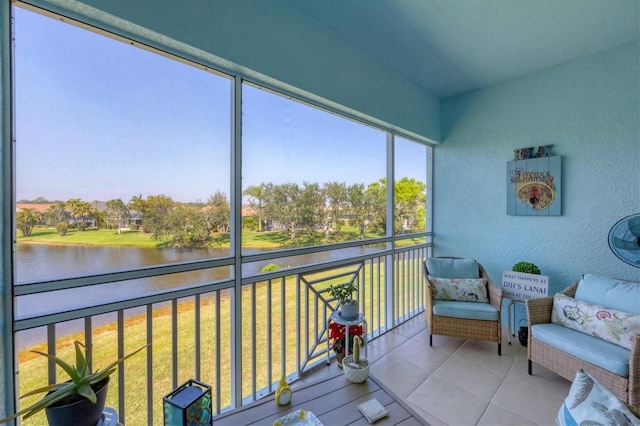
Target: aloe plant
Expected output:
[81,379]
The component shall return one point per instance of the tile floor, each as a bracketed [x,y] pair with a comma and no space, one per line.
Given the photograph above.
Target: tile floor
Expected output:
[463,382]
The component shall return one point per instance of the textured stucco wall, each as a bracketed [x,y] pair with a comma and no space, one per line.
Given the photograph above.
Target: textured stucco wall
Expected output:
[588,109]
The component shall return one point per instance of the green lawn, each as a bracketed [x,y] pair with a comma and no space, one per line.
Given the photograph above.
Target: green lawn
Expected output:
[272,239]
[110,237]
[98,237]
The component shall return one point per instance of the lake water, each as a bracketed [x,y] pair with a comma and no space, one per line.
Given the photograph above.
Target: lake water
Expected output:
[45,262]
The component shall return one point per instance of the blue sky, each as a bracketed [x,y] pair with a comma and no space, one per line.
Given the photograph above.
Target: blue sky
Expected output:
[97,119]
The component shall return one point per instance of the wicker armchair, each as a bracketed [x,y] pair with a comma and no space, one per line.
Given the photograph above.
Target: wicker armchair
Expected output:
[477,329]
[566,365]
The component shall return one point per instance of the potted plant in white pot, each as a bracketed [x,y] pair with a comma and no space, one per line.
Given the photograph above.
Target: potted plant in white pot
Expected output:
[337,332]
[344,293]
[356,367]
[78,401]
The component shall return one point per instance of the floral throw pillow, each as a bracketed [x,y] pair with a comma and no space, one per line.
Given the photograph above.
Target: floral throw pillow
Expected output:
[459,289]
[608,324]
[590,403]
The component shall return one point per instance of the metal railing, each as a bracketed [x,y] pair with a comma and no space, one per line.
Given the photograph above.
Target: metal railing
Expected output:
[192,330]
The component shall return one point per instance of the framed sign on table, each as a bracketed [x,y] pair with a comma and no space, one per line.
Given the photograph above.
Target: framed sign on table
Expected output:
[534,187]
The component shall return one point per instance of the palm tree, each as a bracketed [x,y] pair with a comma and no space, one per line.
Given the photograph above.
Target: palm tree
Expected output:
[256,200]
[55,214]
[26,219]
[117,214]
[80,211]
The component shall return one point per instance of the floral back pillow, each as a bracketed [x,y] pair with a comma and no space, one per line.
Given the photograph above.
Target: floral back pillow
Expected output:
[459,289]
[611,325]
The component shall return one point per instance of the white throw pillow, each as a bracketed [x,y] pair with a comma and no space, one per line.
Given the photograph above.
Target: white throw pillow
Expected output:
[459,289]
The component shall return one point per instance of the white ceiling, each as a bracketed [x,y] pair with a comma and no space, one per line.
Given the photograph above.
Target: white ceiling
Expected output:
[453,46]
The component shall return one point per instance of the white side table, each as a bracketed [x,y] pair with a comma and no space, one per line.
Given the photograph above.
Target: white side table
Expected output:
[337,318]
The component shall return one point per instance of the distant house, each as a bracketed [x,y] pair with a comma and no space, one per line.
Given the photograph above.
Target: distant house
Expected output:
[43,207]
[100,206]
[135,218]
[248,211]
[39,207]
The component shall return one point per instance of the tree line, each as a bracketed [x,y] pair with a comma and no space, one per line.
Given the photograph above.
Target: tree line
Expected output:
[289,208]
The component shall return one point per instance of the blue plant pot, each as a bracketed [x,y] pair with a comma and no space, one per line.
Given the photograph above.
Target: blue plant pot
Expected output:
[349,310]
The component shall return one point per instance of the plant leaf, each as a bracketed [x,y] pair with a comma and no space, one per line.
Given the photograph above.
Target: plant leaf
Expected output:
[86,391]
[100,375]
[58,395]
[48,388]
[111,367]
[71,372]
[51,399]
[82,363]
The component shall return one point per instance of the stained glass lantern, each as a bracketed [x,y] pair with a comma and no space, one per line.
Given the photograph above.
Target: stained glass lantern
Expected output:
[188,405]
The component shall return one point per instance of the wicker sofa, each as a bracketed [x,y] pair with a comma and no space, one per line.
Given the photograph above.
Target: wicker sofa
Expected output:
[552,345]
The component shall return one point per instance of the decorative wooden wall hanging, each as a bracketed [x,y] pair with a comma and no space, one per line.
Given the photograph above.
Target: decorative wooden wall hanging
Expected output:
[534,183]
